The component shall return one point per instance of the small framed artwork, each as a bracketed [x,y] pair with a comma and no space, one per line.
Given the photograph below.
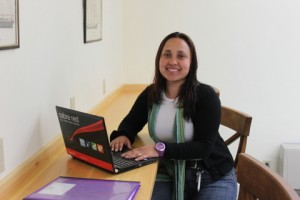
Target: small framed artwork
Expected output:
[92,22]
[9,24]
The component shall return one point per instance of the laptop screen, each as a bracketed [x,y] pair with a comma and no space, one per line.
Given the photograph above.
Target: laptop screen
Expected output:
[85,136]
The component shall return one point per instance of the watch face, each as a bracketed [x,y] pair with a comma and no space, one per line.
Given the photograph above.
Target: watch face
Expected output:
[160,146]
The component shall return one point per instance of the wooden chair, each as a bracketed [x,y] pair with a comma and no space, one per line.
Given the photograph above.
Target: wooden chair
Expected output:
[257,181]
[239,123]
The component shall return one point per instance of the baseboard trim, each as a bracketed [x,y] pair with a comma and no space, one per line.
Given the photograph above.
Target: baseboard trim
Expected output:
[134,87]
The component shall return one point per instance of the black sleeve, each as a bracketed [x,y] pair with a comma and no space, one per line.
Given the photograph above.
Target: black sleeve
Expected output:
[135,120]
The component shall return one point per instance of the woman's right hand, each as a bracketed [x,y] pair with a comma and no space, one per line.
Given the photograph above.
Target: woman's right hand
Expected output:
[118,143]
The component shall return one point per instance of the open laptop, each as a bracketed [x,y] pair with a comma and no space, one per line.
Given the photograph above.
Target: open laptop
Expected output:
[86,138]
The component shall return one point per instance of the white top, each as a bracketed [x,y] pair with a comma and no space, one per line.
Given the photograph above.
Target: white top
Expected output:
[164,125]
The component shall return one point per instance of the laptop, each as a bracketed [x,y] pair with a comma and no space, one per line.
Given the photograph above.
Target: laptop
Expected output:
[85,137]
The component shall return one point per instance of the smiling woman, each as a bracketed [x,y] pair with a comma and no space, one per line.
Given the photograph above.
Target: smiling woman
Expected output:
[174,63]
[183,117]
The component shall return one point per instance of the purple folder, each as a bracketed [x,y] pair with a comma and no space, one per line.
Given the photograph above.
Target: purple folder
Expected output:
[84,188]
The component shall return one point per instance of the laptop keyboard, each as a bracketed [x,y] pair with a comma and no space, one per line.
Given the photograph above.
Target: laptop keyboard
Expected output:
[122,162]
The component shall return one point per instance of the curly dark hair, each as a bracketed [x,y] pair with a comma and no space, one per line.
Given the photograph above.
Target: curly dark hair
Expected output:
[187,93]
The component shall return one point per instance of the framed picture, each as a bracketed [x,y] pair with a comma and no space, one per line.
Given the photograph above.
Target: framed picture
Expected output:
[92,22]
[9,24]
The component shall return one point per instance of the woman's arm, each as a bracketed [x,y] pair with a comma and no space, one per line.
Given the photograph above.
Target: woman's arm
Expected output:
[135,120]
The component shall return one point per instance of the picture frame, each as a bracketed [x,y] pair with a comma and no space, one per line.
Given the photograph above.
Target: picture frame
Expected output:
[92,20]
[9,24]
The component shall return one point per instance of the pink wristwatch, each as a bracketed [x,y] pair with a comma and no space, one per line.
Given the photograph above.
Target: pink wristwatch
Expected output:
[160,148]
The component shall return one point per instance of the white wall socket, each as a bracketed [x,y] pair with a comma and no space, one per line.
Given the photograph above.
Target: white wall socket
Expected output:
[72,103]
[268,163]
[1,156]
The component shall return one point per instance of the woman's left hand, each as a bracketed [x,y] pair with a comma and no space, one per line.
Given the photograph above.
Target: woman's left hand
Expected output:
[141,153]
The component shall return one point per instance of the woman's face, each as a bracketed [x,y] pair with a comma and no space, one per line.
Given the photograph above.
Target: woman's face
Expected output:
[175,60]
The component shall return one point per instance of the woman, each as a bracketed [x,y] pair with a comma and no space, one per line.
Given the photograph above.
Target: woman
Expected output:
[183,117]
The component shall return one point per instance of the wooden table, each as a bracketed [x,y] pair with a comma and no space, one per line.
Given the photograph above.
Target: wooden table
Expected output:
[53,161]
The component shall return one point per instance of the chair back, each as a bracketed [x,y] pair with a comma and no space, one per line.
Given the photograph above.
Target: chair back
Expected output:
[257,181]
[239,123]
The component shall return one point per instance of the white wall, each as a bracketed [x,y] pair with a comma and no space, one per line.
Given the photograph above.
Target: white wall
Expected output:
[52,65]
[248,49]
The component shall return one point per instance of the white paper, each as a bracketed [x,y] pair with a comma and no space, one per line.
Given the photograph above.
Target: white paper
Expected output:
[57,188]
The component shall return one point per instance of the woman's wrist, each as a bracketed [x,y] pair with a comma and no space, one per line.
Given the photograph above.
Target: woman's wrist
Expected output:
[160,147]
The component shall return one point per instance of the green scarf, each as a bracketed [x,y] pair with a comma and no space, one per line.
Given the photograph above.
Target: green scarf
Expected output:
[175,168]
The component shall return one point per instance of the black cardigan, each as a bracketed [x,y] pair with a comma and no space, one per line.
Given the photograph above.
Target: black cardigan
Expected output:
[207,143]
